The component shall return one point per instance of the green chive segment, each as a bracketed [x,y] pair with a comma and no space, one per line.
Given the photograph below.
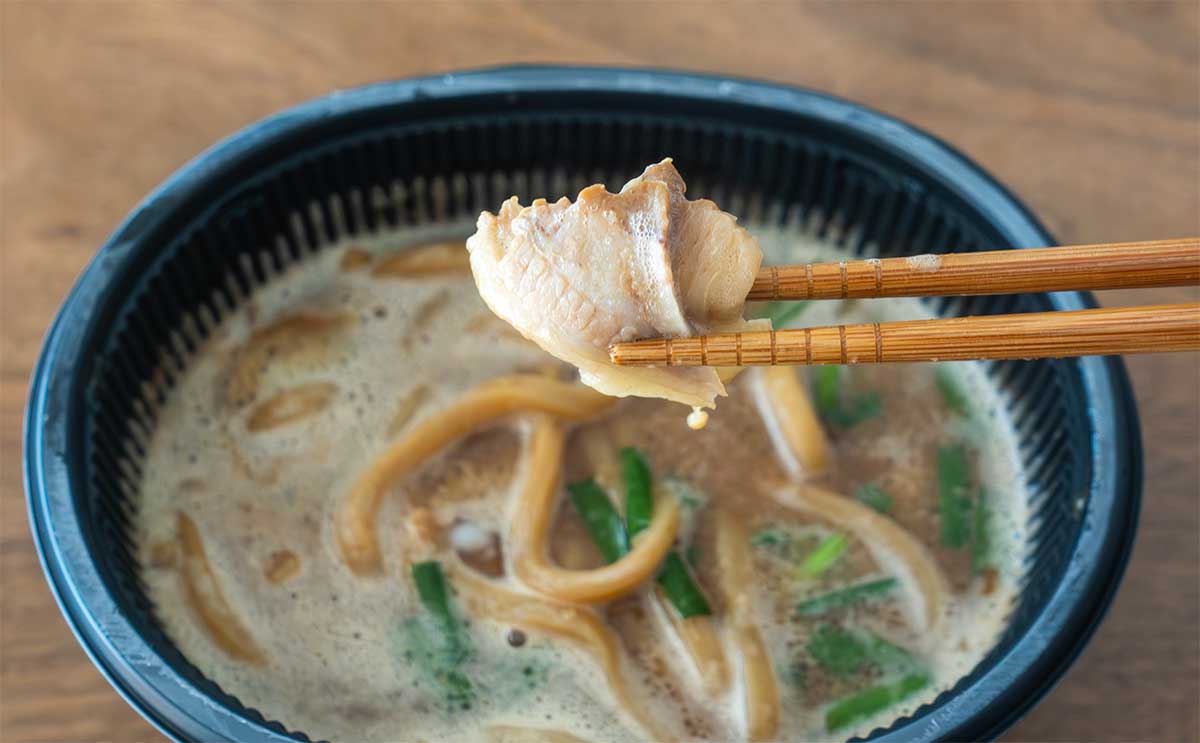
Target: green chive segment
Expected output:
[837,651]
[823,557]
[770,538]
[888,655]
[952,394]
[781,313]
[683,593]
[639,503]
[439,645]
[848,596]
[838,406]
[842,652]
[981,542]
[870,701]
[873,497]
[954,498]
[601,519]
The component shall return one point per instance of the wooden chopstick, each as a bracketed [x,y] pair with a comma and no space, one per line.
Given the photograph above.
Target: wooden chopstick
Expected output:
[1104,266]
[1171,327]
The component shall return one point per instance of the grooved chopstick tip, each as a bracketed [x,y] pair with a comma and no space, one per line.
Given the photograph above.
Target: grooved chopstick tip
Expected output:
[639,353]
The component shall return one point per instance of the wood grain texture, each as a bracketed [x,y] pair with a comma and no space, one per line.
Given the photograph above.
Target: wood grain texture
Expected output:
[1087,110]
[1151,263]
[1032,335]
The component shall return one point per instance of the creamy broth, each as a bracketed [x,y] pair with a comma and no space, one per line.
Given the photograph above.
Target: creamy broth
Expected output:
[303,387]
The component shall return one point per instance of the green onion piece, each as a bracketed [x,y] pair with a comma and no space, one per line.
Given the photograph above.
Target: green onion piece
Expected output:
[981,541]
[828,392]
[836,650]
[439,653]
[872,496]
[438,656]
[836,407]
[862,407]
[769,538]
[639,503]
[823,557]
[781,313]
[873,700]
[601,519]
[679,588]
[431,587]
[887,655]
[843,653]
[954,499]
[845,597]
[956,401]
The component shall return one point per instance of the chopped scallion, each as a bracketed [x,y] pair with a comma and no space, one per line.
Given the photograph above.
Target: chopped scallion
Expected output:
[872,496]
[981,539]
[843,653]
[823,557]
[887,655]
[846,597]
[639,503]
[873,700]
[601,519]
[683,593]
[781,313]
[769,538]
[438,645]
[956,401]
[431,588]
[839,407]
[954,499]
[836,650]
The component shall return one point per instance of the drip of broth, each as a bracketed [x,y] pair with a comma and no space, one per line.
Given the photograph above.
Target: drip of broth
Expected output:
[385,352]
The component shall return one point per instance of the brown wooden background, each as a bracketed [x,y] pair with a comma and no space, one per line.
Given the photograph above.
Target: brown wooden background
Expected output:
[1089,111]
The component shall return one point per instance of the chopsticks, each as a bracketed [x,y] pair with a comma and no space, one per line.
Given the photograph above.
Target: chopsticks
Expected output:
[1137,265]
[1153,329]
[1168,327]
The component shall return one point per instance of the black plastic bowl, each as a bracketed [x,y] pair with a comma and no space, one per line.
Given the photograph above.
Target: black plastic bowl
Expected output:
[439,148]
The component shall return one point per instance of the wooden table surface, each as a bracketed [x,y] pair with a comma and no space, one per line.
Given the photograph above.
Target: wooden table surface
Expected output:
[1089,111]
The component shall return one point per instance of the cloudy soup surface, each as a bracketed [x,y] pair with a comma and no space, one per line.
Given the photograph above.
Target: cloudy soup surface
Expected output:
[355,497]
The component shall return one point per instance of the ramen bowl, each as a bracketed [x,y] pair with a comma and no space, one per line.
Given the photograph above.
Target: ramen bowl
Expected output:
[441,149]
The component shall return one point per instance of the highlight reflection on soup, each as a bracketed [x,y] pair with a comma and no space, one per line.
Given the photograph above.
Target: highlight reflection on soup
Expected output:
[374,512]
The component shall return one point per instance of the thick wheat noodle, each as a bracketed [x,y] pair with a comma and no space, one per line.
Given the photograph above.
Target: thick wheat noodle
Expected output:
[702,639]
[208,601]
[577,624]
[786,409]
[355,524]
[534,512]
[432,259]
[896,550]
[291,405]
[518,734]
[299,336]
[600,453]
[760,694]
